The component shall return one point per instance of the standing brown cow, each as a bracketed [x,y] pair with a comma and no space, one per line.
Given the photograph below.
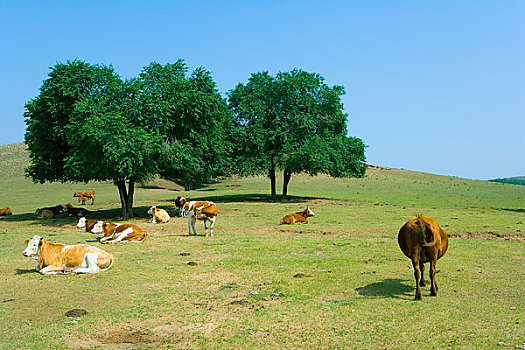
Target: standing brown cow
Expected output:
[83,196]
[422,240]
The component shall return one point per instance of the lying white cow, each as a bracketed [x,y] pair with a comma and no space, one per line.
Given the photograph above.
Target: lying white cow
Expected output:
[56,258]
[159,215]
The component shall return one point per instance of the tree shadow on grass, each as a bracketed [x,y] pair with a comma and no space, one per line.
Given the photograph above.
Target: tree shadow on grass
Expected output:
[516,210]
[389,288]
[255,198]
[114,214]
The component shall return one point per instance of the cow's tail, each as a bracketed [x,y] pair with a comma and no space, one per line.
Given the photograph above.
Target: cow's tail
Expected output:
[111,261]
[423,232]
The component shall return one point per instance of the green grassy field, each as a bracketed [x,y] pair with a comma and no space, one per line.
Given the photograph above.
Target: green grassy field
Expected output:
[353,288]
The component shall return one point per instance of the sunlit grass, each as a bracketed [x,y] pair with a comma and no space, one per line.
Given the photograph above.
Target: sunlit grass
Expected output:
[354,287]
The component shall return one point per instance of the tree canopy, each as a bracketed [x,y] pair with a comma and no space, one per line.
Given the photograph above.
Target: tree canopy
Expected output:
[293,122]
[89,124]
[191,115]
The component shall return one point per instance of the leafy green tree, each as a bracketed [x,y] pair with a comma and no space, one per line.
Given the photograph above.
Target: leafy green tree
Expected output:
[84,125]
[293,122]
[88,124]
[191,115]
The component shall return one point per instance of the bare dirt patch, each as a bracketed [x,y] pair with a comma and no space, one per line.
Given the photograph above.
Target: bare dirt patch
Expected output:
[132,336]
[487,235]
[306,232]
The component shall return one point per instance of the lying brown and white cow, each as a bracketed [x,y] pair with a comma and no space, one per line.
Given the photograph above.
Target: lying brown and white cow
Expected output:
[57,209]
[198,210]
[297,218]
[44,213]
[159,215]
[56,258]
[115,233]
[86,224]
[422,240]
[71,210]
[5,211]
[83,196]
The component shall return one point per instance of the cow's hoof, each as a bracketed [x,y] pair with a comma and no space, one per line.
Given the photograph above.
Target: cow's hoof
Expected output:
[433,293]
[418,297]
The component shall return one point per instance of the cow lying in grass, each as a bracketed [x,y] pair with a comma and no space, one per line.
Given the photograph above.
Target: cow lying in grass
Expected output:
[56,258]
[5,211]
[83,196]
[44,213]
[86,224]
[297,218]
[422,240]
[198,210]
[71,210]
[57,209]
[116,233]
[159,215]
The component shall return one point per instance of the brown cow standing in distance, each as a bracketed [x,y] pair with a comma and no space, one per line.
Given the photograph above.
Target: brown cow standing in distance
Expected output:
[297,218]
[422,240]
[83,196]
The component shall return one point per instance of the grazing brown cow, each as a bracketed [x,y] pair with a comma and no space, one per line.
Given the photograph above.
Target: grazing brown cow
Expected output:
[71,210]
[198,210]
[422,240]
[297,218]
[83,196]
[5,211]
[56,258]
[115,233]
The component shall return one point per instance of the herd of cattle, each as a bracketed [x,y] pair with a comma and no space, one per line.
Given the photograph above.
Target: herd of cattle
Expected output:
[421,239]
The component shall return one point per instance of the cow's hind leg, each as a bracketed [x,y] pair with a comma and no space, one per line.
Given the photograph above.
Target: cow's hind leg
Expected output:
[206,225]
[89,265]
[433,284]
[212,222]
[415,264]
[422,282]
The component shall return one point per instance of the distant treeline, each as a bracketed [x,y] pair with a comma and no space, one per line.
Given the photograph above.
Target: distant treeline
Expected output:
[511,180]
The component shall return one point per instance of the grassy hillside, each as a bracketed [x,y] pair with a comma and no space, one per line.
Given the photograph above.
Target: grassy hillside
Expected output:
[356,287]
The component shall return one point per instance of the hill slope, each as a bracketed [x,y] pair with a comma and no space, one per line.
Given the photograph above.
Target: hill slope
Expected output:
[338,282]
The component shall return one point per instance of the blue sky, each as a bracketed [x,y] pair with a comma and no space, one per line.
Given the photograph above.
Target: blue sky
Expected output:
[433,86]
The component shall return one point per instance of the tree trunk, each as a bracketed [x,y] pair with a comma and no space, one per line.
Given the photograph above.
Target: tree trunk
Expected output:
[126,197]
[286,180]
[131,192]
[271,174]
